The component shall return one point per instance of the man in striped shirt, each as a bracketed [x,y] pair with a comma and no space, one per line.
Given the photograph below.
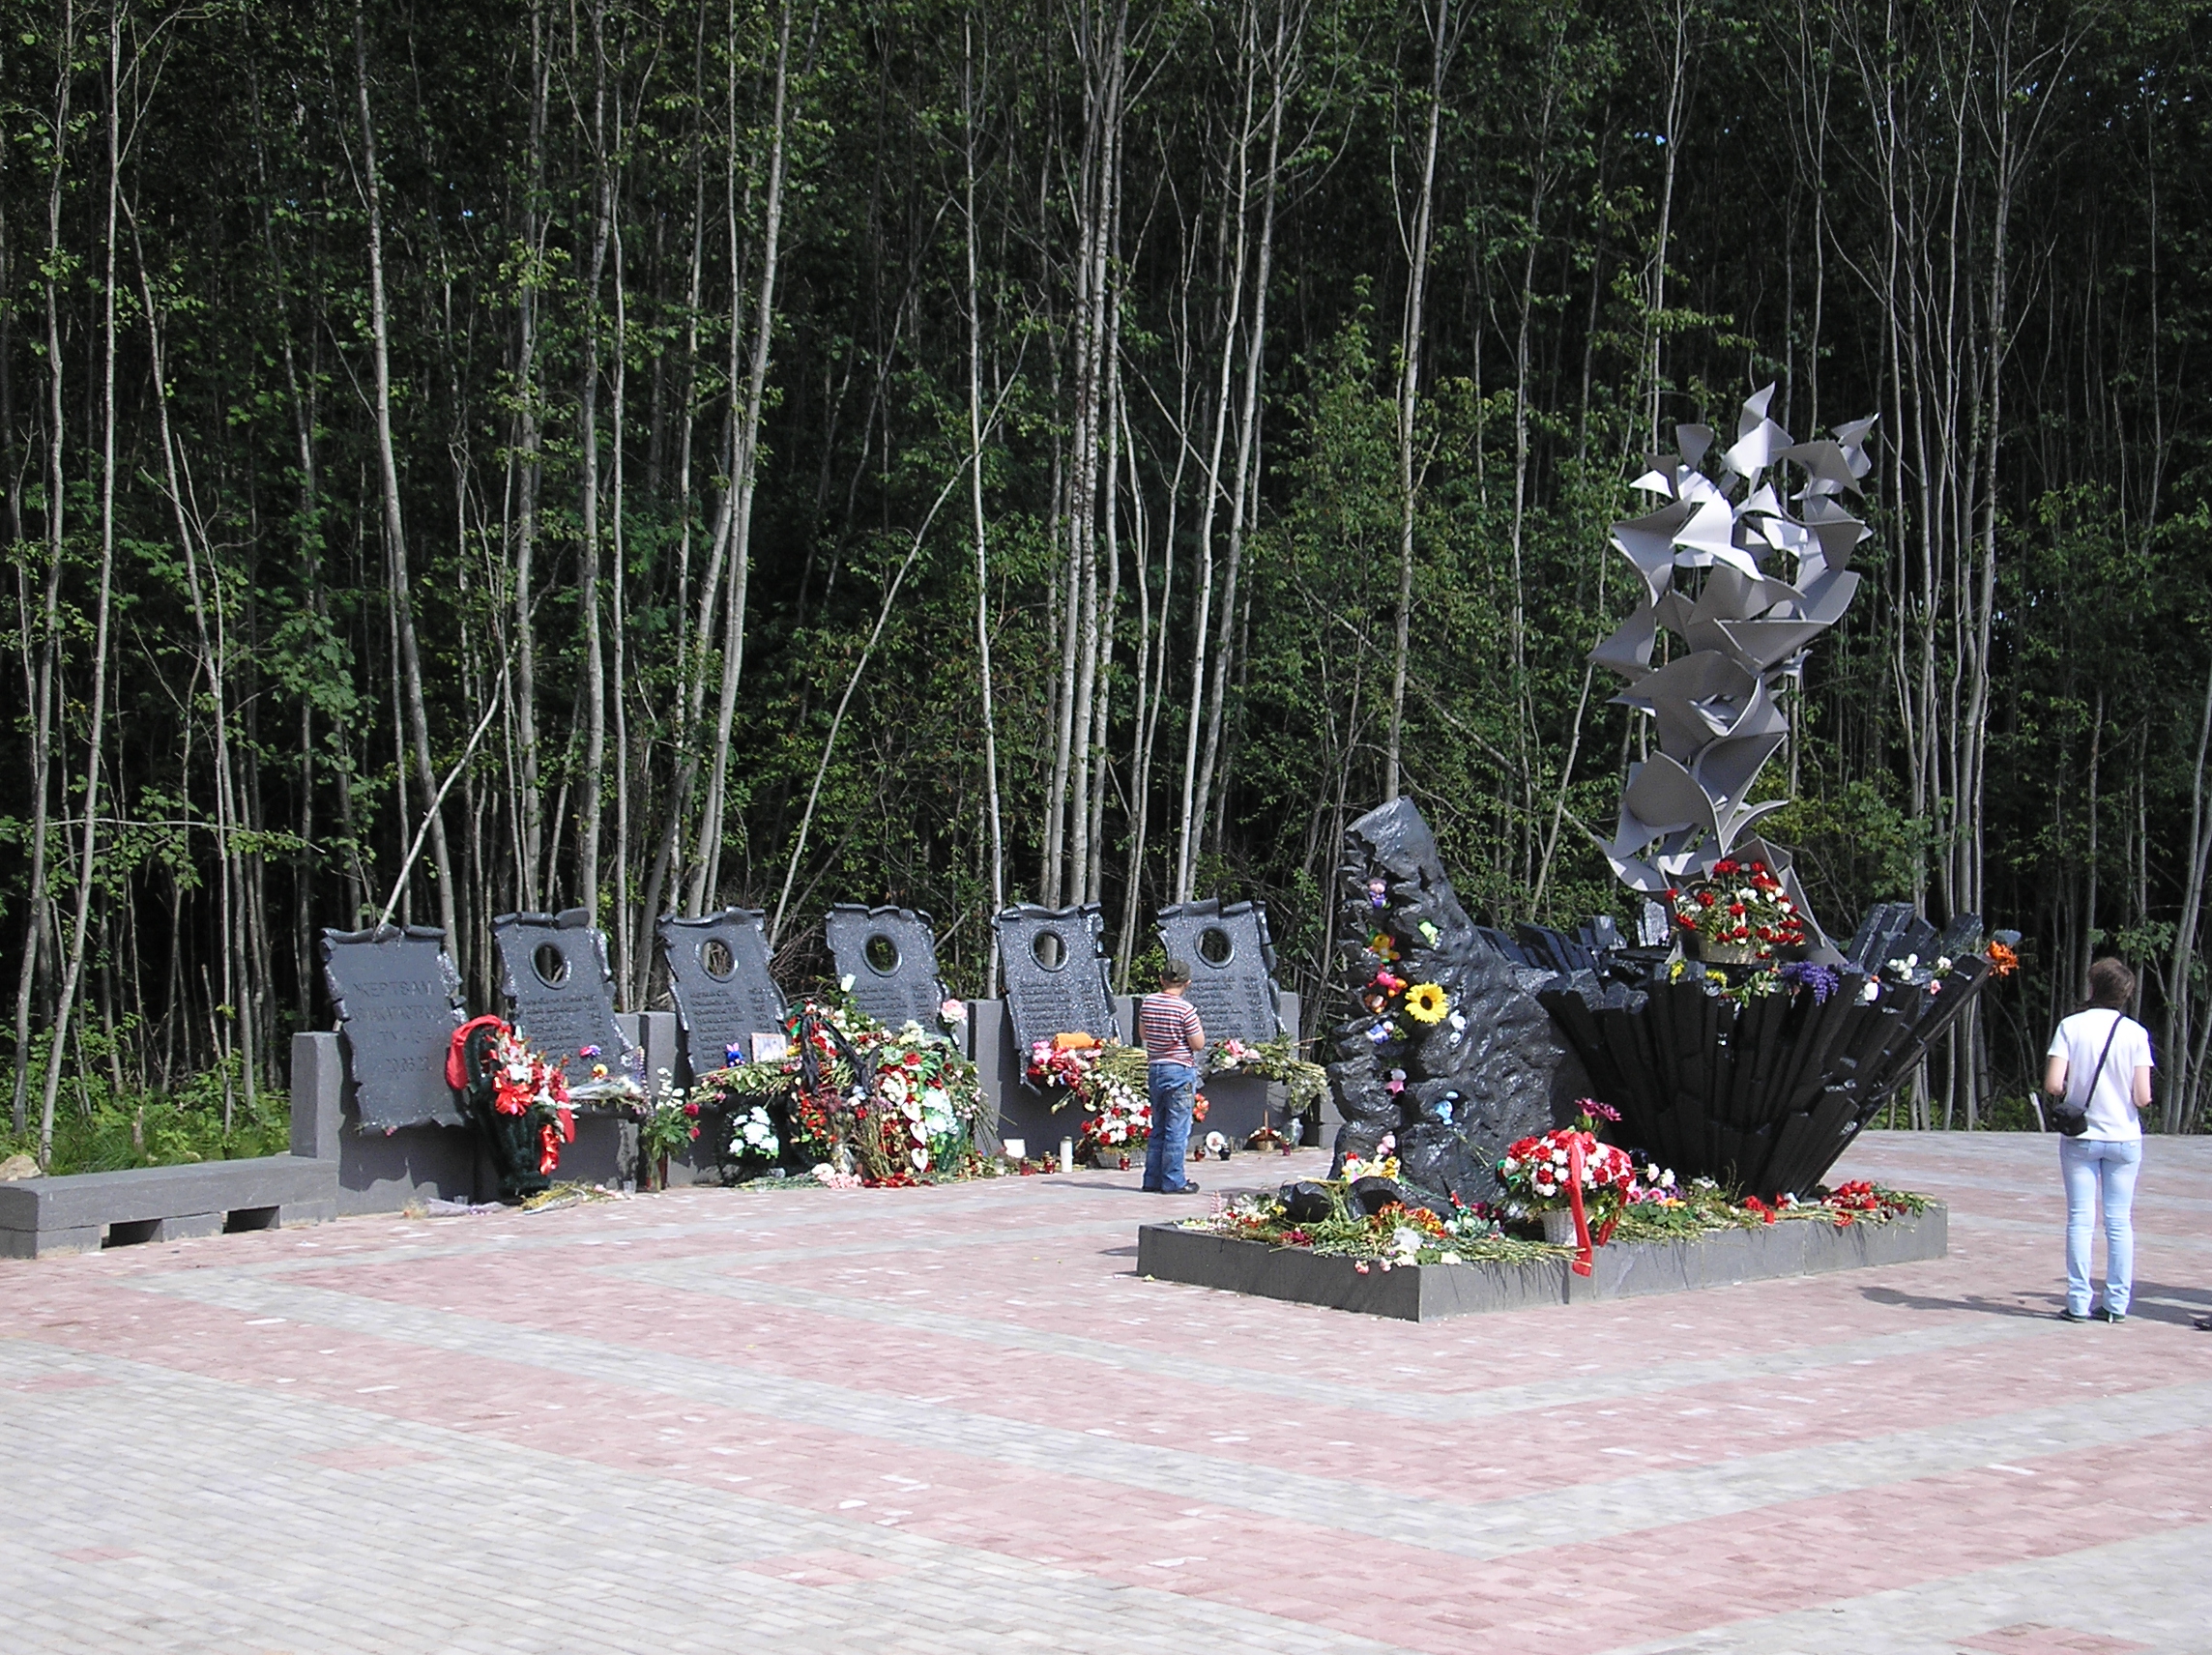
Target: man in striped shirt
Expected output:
[1173,1040]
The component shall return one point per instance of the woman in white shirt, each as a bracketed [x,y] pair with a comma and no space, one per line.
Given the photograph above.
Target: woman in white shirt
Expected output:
[2101,1057]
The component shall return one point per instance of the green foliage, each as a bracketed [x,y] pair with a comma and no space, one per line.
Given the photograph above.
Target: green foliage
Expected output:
[1609,259]
[99,1128]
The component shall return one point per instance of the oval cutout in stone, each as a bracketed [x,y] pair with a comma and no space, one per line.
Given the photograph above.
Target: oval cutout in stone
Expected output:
[1216,947]
[1049,948]
[882,954]
[550,964]
[716,960]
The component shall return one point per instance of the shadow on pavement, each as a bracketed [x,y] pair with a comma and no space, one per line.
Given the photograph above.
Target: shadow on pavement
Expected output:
[1971,1302]
[2152,1301]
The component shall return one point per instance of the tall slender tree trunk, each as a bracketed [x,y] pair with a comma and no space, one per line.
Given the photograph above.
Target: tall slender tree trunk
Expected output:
[988,709]
[1103,57]
[38,914]
[692,647]
[530,472]
[588,833]
[1409,387]
[207,598]
[2184,1060]
[1244,490]
[88,860]
[394,531]
[1232,336]
[744,459]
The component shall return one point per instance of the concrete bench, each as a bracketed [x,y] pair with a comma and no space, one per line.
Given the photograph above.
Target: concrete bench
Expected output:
[87,1210]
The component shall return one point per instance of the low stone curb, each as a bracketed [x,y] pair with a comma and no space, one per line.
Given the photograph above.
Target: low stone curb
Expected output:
[81,1212]
[1626,1269]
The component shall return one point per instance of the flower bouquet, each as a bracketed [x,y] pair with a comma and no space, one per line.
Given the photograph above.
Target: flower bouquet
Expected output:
[884,1106]
[1741,914]
[1276,1060]
[669,1121]
[1568,1175]
[1108,1080]
[520,1100]
[753,1135]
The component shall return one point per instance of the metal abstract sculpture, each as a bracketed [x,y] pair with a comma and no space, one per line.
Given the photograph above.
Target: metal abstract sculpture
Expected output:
[1760,1079]
[1746,571]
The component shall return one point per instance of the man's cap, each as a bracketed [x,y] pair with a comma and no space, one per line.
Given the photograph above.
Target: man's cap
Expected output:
[1176,972]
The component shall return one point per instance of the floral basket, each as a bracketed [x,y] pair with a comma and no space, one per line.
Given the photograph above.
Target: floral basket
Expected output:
[1741,914]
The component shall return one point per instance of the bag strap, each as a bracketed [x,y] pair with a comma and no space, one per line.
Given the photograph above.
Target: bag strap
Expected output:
[2089,1092]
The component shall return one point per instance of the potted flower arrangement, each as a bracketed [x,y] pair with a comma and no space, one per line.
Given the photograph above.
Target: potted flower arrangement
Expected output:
[669,1121]
[1740,915]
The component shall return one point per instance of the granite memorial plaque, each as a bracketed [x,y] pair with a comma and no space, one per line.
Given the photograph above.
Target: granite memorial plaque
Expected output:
[717,970]
[1053,965]
[890,954]
[1232,967]
[553,970]
[398,1001]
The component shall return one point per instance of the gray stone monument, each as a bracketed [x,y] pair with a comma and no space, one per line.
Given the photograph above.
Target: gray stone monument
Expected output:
[1232,967]
[719,971]
[1053,961]
[398,1001]
[890,954]
[553,970]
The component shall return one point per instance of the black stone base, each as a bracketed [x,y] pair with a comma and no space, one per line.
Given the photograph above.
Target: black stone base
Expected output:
[1626,1269]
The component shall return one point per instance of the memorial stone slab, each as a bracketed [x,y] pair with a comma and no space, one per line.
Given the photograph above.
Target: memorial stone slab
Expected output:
[1054,964]
[1232,967]
[398,1001]
[890,954]
[553,970]
[719,971]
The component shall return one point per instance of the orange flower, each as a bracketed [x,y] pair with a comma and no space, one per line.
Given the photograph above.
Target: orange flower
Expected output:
[2003,962]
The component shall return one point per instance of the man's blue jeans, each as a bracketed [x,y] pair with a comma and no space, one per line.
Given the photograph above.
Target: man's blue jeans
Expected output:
[2094,1167]
[1173,1089]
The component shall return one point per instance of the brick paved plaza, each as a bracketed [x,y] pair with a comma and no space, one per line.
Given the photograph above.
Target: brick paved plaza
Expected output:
[953,1419]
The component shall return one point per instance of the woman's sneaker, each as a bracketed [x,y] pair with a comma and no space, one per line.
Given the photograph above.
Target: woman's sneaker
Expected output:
[2070,1313]
[2101,1314]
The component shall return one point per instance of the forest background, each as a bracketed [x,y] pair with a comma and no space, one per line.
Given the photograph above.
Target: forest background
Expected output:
[1065,450]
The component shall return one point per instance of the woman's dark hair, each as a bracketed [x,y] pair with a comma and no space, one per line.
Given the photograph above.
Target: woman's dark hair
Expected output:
[2111,985]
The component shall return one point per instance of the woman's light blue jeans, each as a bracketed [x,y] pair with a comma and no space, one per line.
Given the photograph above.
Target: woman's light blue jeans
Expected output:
[2095,1168]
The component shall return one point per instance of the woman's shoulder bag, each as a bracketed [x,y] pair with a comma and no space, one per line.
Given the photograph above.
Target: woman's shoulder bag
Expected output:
[2071,1119]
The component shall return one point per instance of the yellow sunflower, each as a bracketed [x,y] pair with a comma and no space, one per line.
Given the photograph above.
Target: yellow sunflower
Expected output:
[1426,1002]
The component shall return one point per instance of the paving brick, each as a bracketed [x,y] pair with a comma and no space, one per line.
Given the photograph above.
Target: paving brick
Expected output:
[955,1420]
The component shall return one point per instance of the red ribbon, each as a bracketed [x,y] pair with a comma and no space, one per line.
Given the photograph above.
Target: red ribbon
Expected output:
[456,1064]
[1581,1259]
[550,1138]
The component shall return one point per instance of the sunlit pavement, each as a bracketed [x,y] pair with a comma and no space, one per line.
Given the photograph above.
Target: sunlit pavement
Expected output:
[955,1419]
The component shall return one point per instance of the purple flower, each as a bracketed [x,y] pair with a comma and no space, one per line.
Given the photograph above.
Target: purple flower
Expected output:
[1600,1111]
[1804,973]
